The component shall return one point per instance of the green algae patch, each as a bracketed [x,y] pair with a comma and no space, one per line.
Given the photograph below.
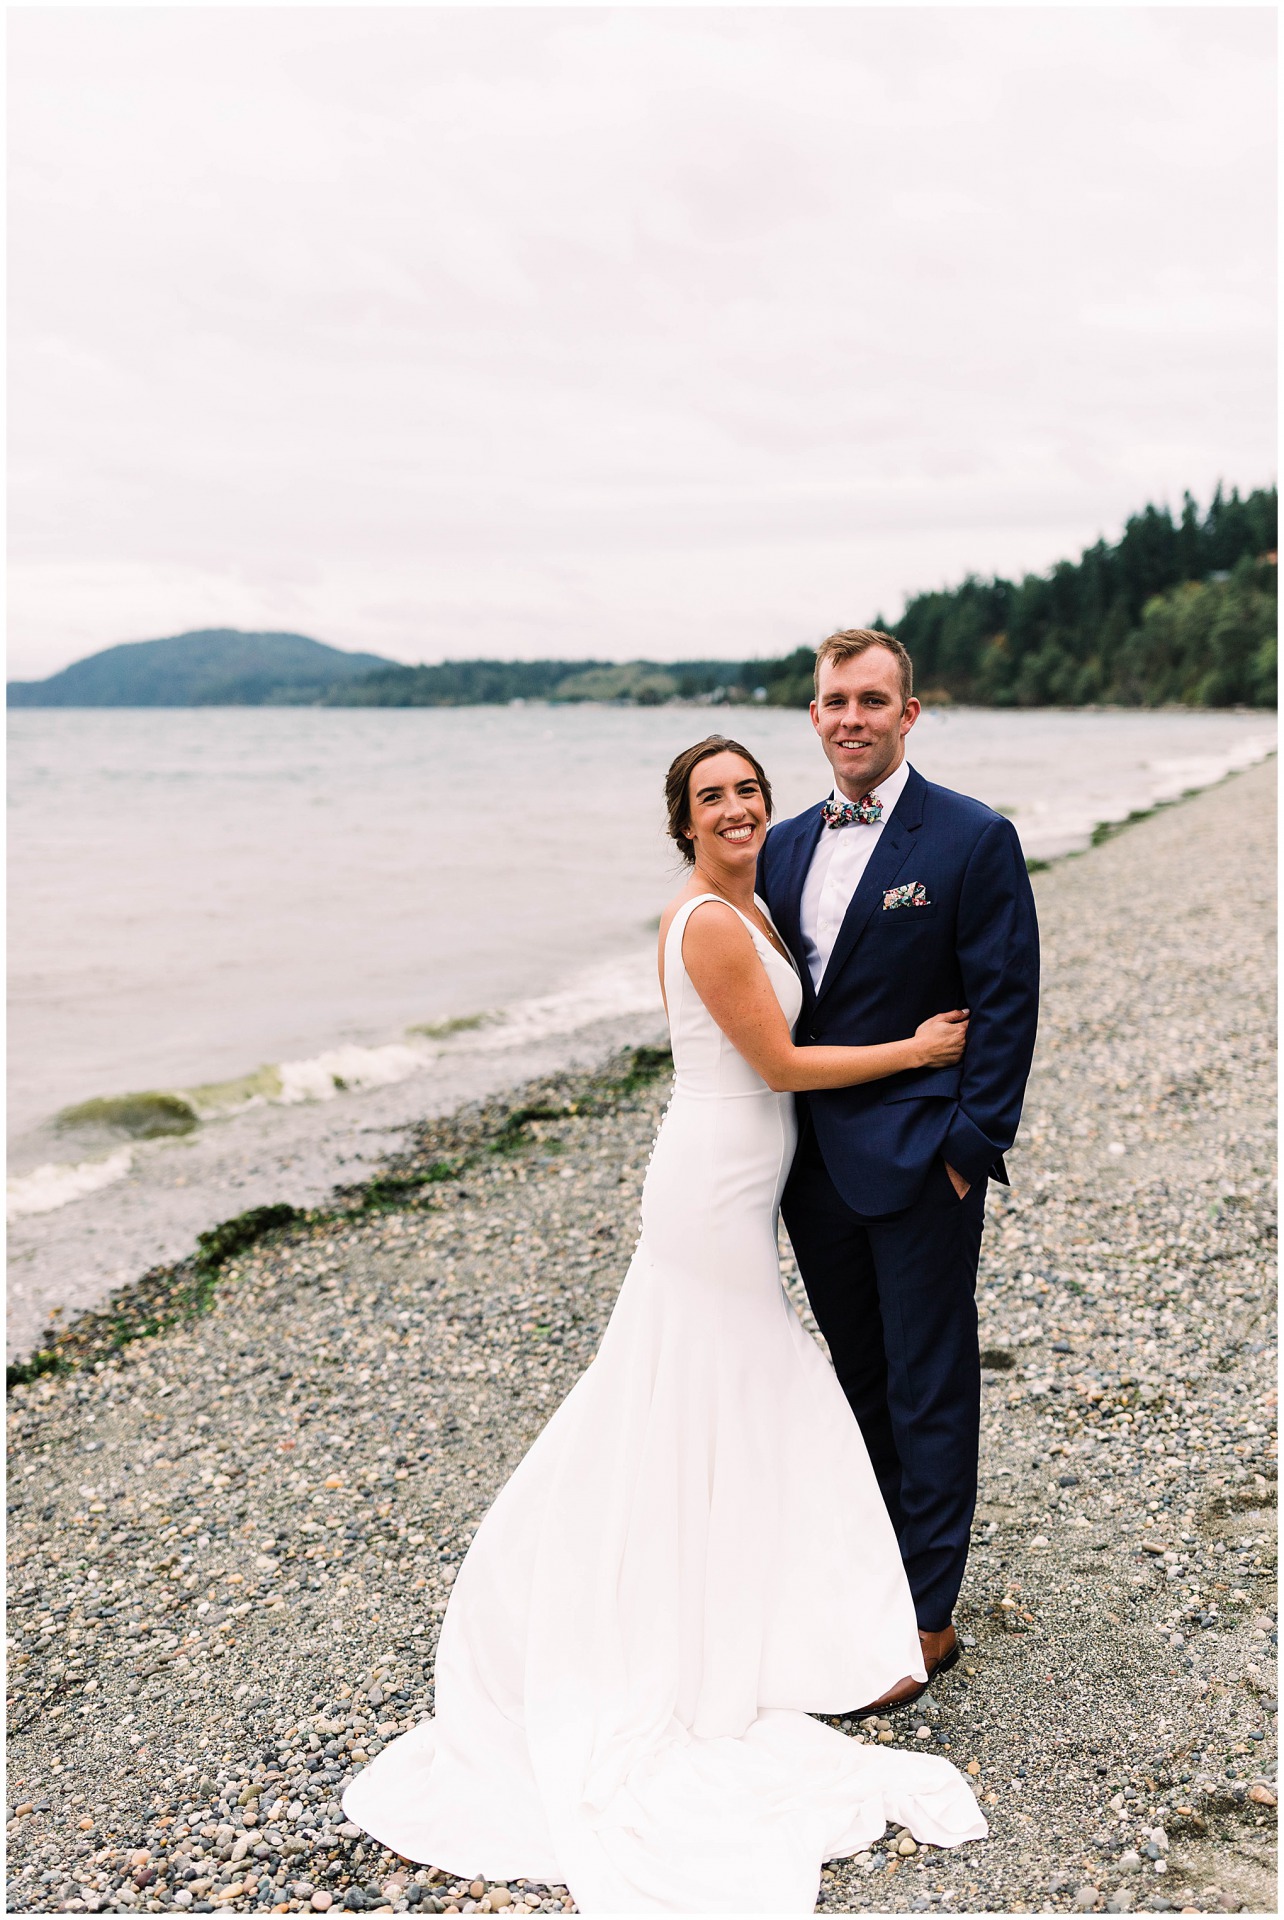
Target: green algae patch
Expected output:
[241,1231]
[1107,829]
[392,1191]
[514,1131]
[45,1360]
[642,1066]
[138,1116]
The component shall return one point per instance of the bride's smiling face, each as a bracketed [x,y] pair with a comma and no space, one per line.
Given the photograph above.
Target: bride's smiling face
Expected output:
[728,812]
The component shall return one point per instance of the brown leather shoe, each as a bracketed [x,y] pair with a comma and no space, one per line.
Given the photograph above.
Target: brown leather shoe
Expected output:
[940,1652]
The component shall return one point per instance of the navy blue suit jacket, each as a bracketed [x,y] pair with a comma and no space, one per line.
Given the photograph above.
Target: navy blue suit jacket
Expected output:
[974,944]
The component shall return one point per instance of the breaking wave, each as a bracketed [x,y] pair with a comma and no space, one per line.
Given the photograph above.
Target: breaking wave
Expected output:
[46,1188]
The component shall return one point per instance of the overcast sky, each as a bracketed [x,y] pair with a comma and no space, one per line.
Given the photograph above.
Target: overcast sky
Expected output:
[617,332]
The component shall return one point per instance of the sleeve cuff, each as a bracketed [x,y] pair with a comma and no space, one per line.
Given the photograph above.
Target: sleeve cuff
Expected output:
[968,1151]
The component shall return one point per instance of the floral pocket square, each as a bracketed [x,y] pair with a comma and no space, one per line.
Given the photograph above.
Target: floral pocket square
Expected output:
[912,894]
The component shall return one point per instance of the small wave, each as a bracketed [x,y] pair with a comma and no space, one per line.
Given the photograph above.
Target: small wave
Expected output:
[219,1098]
[348,1069]
[614,989]
[47,1188]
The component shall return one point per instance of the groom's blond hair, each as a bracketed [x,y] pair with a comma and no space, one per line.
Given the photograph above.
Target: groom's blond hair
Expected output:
[853,641]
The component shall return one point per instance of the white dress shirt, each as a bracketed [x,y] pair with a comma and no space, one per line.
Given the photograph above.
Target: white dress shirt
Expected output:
[841,857]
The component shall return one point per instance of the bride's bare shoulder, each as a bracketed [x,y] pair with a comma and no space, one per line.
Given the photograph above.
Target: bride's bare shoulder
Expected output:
[690,892]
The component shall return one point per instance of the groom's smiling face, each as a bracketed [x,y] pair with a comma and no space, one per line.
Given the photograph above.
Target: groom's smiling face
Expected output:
[862,719]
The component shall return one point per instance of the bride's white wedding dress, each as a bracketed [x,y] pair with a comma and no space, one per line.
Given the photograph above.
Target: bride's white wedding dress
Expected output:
[692,1558]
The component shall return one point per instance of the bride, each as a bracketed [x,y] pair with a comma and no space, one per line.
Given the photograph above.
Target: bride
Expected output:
[694,1557]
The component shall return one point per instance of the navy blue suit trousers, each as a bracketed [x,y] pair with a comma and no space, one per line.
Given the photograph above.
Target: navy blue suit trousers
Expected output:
[896,1302]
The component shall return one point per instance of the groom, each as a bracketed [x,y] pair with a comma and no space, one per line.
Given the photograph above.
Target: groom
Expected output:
[900,899]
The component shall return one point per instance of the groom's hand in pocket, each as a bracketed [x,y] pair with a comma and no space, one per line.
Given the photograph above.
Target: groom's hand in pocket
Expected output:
[961,1186]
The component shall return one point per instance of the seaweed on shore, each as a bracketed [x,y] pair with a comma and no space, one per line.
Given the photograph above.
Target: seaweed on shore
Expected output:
[387,1191]
[515,1132]
[645,1065]
[1107,829]
[160,1298]
[241,1231]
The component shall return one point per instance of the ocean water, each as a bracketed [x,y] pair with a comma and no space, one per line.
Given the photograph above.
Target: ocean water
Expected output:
[315,925]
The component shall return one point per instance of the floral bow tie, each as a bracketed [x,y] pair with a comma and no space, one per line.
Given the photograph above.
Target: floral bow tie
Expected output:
[845,813]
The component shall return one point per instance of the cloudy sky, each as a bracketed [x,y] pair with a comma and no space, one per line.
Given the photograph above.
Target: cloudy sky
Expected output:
[665,332]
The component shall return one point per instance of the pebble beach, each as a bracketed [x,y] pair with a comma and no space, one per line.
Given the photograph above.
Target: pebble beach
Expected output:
[239,1493]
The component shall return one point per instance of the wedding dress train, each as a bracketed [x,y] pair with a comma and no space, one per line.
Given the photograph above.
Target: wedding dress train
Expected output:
[692,1558]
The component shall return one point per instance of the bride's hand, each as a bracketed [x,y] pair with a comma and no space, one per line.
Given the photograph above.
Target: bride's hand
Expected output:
[943,1037]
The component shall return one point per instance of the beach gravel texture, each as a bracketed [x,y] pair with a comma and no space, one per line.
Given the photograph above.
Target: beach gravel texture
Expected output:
[231,1539]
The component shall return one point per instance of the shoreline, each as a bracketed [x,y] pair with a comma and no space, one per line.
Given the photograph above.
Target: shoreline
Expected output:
[445,1148]
[110,1239]
[78,1259]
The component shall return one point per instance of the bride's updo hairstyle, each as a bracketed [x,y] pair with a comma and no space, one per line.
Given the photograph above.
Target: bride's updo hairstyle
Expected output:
[677,786]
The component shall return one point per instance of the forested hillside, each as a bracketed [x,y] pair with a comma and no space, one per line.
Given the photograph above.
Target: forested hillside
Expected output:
[1173,611]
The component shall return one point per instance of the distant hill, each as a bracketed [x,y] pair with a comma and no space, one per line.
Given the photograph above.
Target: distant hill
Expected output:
[217,667]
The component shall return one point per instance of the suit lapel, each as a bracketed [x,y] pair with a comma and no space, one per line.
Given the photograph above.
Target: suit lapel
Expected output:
[805,831]
[895,845]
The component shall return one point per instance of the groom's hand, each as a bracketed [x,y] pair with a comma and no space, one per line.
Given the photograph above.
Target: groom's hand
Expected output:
[961,1186]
